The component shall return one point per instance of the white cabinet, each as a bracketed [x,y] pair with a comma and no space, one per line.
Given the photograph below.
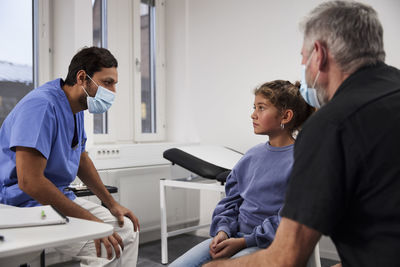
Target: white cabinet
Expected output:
[138,190]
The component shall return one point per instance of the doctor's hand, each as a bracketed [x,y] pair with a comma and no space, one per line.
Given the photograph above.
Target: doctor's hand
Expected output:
[110,242]
[228,248]
[120,211]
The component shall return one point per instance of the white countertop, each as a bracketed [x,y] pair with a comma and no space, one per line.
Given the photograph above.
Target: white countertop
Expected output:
[29,239]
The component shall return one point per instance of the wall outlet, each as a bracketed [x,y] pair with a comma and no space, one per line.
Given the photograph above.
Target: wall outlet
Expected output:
[107,153]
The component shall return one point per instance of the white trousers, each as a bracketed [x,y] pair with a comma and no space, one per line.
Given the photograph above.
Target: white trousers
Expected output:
[86,251]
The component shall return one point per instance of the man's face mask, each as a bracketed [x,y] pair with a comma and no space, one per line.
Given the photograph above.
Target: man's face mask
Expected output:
[102,101]
[309,94]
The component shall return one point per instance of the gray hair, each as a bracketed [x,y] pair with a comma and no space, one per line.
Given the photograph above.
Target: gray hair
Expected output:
[350,30]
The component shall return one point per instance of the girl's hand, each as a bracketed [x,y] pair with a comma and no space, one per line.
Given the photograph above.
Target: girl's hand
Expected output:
[228,248]
[221,236]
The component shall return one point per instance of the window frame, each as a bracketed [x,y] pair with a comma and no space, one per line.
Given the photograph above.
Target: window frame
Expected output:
[110,136]
[36,20]
[124,42]
[43,49]
[35,48]
[159,135]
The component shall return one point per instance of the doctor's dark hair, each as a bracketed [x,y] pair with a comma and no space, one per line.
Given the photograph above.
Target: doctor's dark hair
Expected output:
[91,60]
[285,95]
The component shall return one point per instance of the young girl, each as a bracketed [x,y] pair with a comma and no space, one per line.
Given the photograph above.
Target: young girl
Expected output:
[247,218]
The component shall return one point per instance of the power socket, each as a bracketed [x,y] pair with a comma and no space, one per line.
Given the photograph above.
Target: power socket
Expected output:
[107,153]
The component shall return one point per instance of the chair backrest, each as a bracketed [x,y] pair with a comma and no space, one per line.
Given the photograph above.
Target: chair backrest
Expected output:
[314,260]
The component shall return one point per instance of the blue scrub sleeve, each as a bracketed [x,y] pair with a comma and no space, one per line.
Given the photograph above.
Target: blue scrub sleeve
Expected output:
[34,127]
[225,216]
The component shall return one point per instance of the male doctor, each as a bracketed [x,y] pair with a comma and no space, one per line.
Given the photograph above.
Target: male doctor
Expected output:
[42,150]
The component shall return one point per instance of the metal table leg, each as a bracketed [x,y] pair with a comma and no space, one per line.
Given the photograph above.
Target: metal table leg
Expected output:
[164,235]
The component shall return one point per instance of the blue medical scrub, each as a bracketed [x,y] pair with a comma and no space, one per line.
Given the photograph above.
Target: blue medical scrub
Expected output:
[42,120]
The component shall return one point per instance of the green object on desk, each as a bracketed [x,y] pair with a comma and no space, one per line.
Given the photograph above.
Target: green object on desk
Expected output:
[43,215]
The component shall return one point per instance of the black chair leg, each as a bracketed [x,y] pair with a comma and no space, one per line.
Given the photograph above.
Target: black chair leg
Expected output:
[42,259]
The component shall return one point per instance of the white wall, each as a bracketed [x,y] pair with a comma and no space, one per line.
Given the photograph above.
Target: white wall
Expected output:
[72,30]
[218,51]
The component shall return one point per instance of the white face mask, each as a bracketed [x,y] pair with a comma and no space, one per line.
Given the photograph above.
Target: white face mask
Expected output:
[309,94]
[102,101]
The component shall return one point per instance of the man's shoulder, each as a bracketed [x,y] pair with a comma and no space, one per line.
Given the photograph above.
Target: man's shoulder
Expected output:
[361,89]
[39,102]
[321,126]
[45,94]
[366,85]
[358,96]
[326,116]
[35,100]
[50,88]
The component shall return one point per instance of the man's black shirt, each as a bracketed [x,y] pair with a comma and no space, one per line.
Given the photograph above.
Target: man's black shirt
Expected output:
[345,181]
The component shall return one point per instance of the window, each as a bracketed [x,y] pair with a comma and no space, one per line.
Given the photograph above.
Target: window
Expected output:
[100,121]
[150,127]
[133,31]
[18,27]
[148,90]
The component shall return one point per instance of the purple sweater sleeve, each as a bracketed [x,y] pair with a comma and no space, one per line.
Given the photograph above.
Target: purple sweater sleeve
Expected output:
[263,235]
[225,216]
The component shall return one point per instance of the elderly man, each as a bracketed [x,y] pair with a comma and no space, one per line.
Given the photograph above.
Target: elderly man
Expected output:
[345,181]
[42,150]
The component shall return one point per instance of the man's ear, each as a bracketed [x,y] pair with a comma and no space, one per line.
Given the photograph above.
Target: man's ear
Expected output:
[80,77]
[322,54]
[287,116]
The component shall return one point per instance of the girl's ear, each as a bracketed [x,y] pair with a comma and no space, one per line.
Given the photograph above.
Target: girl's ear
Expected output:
[287,116]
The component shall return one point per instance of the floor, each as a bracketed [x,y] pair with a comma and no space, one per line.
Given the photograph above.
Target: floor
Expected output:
[150,253]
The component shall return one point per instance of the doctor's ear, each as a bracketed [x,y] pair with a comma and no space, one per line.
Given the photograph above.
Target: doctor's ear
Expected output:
[287,116]
[80,77]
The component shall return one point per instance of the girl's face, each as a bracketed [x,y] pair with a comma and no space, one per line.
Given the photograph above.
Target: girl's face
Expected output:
[266,117]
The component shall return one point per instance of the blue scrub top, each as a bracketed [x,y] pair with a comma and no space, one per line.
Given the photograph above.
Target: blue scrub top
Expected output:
[42,120]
